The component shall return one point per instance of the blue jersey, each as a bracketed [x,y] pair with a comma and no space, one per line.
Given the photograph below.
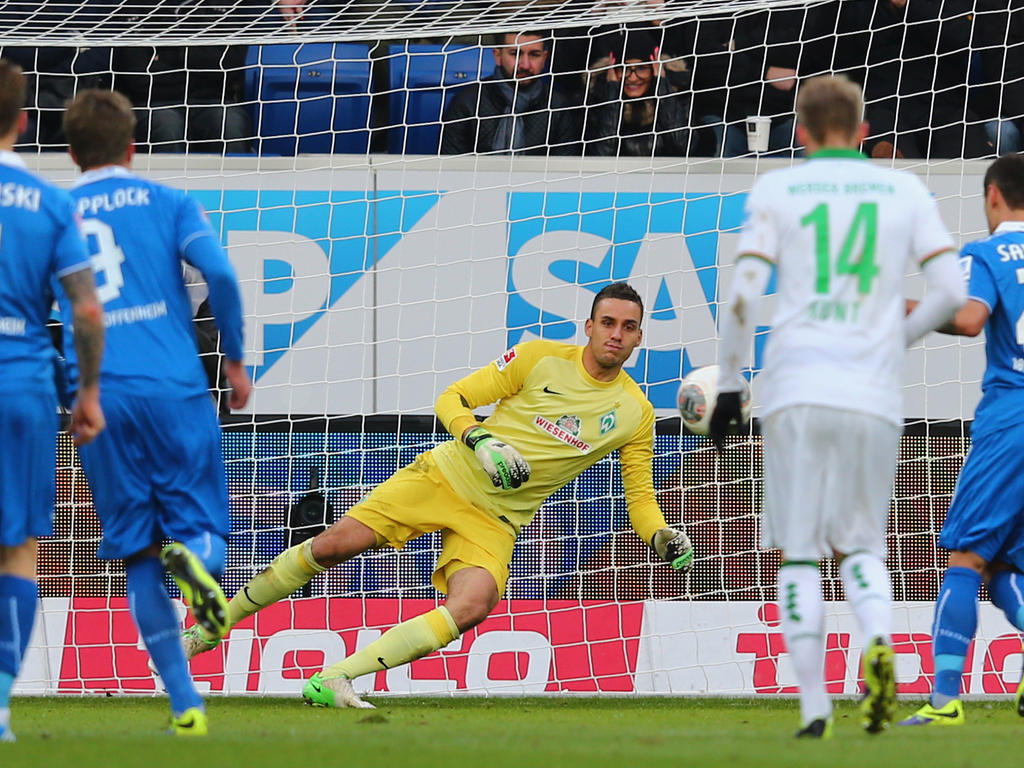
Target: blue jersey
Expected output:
[995,270]
[39,239]
[138,233]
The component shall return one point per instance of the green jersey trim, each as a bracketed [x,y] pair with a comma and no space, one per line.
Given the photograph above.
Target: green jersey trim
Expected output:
[755,255]
[932,255]
[838,152]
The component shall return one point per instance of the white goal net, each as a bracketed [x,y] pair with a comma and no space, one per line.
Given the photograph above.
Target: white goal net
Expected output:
[378,264]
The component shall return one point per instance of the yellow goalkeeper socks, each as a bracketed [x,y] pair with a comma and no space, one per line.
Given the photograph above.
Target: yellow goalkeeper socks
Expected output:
[290,570]
[407,642]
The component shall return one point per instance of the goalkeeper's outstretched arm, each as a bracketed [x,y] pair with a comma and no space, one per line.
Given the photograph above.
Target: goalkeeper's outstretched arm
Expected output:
[635,460]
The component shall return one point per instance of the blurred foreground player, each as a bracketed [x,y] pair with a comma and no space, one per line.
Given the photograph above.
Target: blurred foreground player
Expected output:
[157,473]
[984,529]
[39,241]
[842,233]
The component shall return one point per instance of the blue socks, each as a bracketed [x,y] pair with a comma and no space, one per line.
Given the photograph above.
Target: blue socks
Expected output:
[211,551]
[1007,592]
[157,621]
[18,600]
[956,621]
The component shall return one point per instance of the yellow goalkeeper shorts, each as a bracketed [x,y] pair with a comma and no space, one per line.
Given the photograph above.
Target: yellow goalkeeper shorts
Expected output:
[417,499]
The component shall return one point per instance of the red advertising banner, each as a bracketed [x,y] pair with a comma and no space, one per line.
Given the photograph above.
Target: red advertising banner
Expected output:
[525,646]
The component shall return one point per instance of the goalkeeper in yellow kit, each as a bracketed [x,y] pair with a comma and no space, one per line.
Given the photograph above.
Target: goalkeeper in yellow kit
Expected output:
[560,409]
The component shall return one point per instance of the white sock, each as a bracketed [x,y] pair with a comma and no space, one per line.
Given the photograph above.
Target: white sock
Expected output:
[869,592]
[803,625]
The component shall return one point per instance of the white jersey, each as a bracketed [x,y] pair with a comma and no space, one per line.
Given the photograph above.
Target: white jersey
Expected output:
[841,233]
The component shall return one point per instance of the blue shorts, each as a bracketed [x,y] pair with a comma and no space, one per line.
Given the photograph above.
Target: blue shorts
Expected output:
[986,515]
[28,465]
[156,472]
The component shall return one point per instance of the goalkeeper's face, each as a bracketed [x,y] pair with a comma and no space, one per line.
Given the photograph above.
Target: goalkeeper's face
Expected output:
[614,332]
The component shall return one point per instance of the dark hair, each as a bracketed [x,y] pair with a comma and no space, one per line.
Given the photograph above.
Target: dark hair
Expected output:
[635,44]
[12,95]
[1007,175]
[616,291]
[499,38]
[100,126]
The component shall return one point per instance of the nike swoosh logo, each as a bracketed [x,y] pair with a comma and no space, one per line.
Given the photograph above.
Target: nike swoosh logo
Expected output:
[551,391]
[246,591]
[315,686]
[381,660]
[948,715]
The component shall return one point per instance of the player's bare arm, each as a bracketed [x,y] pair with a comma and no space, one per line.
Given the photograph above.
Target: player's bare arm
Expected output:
[969,320]
[241,384]
[87,419]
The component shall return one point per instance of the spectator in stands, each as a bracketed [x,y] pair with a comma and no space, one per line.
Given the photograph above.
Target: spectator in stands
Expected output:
[695,55]
[192,97]
[912,59]
[197,91]
[53,72]
[773,51]
[996,79]
[633,110]
[706,44]
[515,110]
[573,53]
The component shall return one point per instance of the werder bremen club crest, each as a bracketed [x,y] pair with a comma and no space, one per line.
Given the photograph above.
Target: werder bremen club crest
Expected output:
[608,422]
[570,424]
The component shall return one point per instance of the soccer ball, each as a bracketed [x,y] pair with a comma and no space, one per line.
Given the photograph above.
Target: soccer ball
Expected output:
[698,394]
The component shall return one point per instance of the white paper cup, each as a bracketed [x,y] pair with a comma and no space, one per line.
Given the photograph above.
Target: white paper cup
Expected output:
[758,129]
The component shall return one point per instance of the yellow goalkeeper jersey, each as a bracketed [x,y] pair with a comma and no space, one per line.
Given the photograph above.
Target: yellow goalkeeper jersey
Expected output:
[561,419]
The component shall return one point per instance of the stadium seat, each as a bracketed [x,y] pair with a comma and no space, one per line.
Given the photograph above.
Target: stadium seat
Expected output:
[312,97]
[423,79]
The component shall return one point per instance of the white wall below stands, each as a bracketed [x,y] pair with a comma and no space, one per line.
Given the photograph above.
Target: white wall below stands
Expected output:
[370,283]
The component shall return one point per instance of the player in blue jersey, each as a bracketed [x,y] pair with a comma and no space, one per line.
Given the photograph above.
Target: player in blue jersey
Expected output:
[157,473]
[984,529]
[39,240]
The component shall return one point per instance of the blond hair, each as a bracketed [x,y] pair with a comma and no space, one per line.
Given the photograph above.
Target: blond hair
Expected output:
[830,104]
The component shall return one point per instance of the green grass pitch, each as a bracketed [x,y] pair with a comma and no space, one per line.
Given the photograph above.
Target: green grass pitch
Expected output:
[489,733]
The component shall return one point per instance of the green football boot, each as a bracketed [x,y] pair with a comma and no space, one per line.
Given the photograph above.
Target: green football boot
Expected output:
[192,722]
[199,589]
[195,641]
[332,692]
[879,702]
[951,714]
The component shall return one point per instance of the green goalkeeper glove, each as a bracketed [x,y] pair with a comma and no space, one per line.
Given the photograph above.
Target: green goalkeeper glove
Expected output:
[673,547]
[503,463]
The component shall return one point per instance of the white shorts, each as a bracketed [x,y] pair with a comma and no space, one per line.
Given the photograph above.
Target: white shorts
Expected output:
[828,477]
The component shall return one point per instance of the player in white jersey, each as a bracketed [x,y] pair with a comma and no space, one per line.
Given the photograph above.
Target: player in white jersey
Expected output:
[841,233]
